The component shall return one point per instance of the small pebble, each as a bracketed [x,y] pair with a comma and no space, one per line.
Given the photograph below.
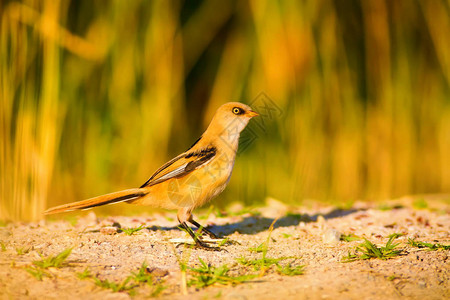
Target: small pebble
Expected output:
[158,272]
[117,225]
[320,219]
[108,230]
[331,236]
[422,284]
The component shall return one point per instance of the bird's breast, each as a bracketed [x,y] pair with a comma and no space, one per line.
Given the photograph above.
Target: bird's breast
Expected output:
[214,176]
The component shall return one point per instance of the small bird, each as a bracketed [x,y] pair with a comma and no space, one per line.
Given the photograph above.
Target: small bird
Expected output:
[192,178]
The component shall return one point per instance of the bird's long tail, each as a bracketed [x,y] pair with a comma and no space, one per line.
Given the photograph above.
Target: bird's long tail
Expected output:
[112,198]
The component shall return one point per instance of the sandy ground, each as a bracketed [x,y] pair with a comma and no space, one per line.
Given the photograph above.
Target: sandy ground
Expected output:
[305,233]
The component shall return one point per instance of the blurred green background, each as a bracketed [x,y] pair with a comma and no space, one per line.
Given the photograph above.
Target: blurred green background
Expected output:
[96,95]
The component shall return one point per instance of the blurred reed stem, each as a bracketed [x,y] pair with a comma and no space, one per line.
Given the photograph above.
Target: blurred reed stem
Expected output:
[95,96]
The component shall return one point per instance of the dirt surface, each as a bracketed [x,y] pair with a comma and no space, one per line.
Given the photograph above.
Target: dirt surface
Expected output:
[306,234]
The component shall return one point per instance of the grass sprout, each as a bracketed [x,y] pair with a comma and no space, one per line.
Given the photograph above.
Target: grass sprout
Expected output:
[420,203]
[85,274]
[39,266]
[135,279]
[131,231]
[23,250]
[37,273]
[258,249]
[53,261]
[262,264]
[144,276]
[350,237]
[368,250]
[206,275]
[224,242]
[290,270]
[430,246]
[386,207]
[113,286]
[265,263]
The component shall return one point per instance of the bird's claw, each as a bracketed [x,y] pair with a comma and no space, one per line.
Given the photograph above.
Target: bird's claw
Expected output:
[203,246]
[232,242]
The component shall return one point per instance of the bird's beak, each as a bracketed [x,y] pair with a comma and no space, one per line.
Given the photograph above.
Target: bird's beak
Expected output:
[252,113]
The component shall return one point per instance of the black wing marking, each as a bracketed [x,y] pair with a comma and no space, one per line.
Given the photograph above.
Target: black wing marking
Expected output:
[181,165]
[203,157]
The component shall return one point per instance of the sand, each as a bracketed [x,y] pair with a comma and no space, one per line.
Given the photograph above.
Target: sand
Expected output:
[308,234]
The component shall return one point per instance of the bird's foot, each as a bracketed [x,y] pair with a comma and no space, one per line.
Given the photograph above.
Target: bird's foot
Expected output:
[228,241]
[202,245]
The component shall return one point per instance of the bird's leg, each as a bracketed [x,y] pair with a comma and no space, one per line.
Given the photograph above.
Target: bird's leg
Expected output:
[198,242]
[192,234]
[184,215]
[208,232]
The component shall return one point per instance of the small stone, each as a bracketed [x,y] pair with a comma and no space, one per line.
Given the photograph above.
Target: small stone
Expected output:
[331,236]
[158,272]
[108,230]
[117,225]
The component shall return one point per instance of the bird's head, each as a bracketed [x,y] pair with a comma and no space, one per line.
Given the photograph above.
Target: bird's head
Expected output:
[232,117]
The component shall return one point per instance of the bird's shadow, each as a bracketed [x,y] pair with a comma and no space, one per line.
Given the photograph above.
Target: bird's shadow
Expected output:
[253,224]
[256,224]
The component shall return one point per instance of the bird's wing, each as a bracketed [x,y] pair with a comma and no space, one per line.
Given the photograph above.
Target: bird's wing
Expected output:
[181,165]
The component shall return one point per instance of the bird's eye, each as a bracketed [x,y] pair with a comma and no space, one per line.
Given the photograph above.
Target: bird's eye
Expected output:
[237,111]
